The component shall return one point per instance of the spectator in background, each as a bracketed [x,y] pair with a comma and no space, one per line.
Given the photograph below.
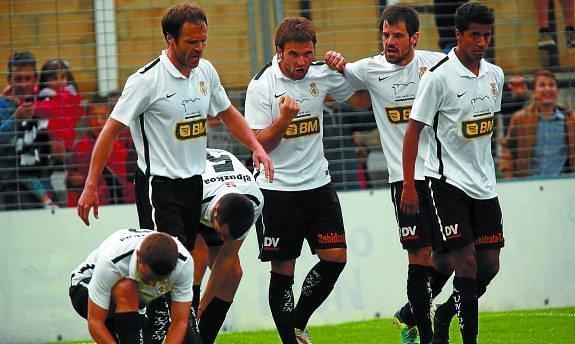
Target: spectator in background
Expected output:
[541,138]
[60,104]
[515,95]
[445,21]
[114,187]
[546,39]
[125,137]
[24,142]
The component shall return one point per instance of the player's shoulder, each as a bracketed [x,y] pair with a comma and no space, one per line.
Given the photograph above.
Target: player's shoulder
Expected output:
[320,70]
[493,68]
[429,57]
[263,73]
[149,70]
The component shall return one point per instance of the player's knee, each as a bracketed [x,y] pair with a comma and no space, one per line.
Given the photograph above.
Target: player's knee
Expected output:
[126,295]
[420,256]
[336,255]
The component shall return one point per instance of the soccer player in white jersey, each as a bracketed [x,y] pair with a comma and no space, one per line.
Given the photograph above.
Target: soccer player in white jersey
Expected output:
[231,202]
[129,269]
[458,98]
[284,107]
[392,79]
[166,104]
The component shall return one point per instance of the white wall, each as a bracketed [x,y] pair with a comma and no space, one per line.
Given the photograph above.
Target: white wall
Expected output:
[38,250]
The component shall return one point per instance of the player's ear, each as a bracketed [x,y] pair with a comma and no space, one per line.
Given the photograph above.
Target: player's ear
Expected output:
[414,38]
[278,53]
[170,38]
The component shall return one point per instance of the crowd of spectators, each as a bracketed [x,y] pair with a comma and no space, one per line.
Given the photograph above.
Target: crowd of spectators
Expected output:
[49,128]
[40,135]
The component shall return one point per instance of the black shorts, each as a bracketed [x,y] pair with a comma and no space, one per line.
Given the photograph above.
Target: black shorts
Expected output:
[79,297]
[210,236]
[174,206]
[415,231]
[290,216]
[462,220]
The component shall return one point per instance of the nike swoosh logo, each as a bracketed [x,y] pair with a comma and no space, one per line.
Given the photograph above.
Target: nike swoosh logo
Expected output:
[459,95]
[385,77]
[170,95]
[279,95]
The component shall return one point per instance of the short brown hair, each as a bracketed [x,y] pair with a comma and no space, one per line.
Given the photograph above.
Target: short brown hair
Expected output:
[177,15]
[294,29]
[159,251]
[544,73]
[396,13]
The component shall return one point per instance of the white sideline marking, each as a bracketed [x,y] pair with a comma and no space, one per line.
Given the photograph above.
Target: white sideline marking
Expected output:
[569,315]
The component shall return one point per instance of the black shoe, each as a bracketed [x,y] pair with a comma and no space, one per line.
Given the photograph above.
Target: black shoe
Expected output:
[440,326]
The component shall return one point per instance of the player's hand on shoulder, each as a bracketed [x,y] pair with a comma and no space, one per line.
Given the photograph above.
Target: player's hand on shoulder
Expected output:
[88,200]
[409,200]
[289,107]
[335,60]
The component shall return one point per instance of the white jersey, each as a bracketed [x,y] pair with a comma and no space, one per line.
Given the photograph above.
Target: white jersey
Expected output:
[115,259]
[298,159]
[167,112]
[460,106]
[226,174]
[392,89]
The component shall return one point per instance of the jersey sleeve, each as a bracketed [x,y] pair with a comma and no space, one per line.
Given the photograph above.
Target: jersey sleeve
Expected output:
[356,74]
[428,99]
[103,280]
[500,80]
[134,100]
[219,100]
[258,109]
[182,287]
[340,89]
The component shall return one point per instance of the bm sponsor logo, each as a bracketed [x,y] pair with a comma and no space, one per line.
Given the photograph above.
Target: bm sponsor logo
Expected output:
[398,115]
[477,127]
[303,127]
[191,129]
[489,239]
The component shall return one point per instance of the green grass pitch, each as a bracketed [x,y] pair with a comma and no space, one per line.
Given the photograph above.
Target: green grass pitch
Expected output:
[546,326]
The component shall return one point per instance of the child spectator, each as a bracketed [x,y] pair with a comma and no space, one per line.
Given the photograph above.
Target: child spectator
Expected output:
[113,188]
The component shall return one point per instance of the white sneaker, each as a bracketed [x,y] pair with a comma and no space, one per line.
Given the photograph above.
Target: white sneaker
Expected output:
[302,337]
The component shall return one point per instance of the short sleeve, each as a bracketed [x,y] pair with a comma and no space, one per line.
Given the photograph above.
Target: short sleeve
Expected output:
[182,287]
[428,99]
[103,280]
[134,100]
[219,100]
[356,74]
[258,109]
[500,81]
[339,88]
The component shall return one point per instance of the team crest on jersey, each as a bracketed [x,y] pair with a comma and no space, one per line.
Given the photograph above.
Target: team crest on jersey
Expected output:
[422,71]
[313,89]
[186,130]
[162,286]
[203,88]
[477,127]
[303,127]
[493,86]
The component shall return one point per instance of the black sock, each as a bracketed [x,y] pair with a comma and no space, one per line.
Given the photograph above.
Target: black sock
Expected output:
[196,296]
[282,305]
[192,331]
[128,327]
[158,313]
[544,30]
[406,315]
[419,296]
[316,287]
[465,298]
[212,319]
[438,280]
